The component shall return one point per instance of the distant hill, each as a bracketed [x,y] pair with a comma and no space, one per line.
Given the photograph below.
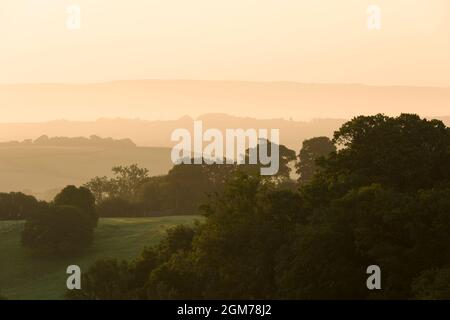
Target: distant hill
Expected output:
[42,170]
[60,155]
[169,99]
[44,165]
[92,141]
[157,133]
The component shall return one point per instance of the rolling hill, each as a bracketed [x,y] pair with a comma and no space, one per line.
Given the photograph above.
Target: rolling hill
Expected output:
[169,99]
[24,276]
[39,170]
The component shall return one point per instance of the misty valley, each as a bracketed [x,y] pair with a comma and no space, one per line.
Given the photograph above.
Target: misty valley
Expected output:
[224,159]
[223,230]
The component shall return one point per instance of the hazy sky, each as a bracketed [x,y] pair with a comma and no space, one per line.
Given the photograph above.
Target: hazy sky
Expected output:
[264,40]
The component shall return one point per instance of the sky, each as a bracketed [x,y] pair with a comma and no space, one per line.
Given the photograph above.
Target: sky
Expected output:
[308,41]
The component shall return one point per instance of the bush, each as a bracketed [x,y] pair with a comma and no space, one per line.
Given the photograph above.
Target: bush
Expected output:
[433,284]
[80,198]
[17,206]
[59,230]
[107,279]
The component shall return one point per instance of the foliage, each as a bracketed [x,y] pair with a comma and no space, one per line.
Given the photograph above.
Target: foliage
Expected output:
[124,184]
[80,198]
[64,226]
[312,150]
[406,152]
[17,206]
[107,279]
[433,284]
[285,157]
[187,186]
[383,198]
[58,230]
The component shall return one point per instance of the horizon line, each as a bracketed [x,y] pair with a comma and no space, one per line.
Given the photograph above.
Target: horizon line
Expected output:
[437,117]
[85,83]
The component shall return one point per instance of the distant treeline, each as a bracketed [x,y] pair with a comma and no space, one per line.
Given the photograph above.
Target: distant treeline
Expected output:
[133,193]
[92,141]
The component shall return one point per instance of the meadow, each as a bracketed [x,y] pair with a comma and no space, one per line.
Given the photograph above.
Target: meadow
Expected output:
[26,276]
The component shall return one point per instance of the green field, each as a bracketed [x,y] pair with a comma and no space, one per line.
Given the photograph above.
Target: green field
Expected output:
[24,276]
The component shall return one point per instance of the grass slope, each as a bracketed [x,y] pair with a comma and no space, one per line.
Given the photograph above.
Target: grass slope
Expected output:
[24,276]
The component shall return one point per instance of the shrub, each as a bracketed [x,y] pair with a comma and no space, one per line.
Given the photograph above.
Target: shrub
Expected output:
[59,230]
[80,198]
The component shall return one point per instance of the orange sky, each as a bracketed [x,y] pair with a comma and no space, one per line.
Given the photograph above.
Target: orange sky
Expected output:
[261,40]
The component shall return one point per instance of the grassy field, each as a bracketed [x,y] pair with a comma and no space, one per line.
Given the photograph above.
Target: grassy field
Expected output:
[24,276]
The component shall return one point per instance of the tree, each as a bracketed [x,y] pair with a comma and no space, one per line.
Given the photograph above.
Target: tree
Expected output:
[433,284]
[106,279]
[178,238]
[80,198]
[151,275]
[320,262]
[17,206]
[156,195]
[285,157]
[128,179]
[175,276]
[58,230]
[102,188]
[394,207]
[405,152]
[124,184]
[365,206]
[312,150]
[246,225]
[184,188]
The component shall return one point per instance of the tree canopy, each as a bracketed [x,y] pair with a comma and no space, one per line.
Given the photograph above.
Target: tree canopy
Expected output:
[312,150]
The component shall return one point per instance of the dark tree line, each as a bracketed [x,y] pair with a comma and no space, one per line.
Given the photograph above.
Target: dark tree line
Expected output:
[382,197]
[132,193]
